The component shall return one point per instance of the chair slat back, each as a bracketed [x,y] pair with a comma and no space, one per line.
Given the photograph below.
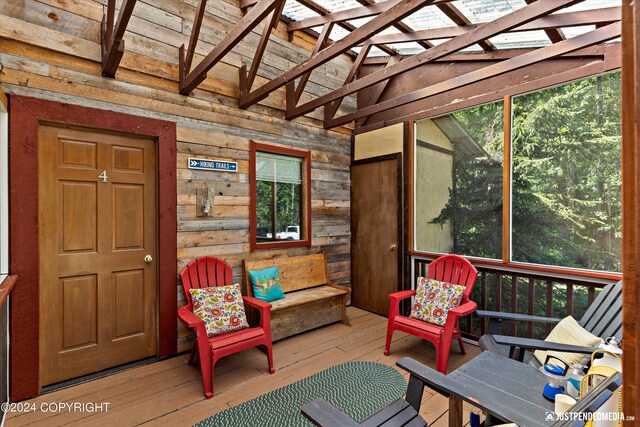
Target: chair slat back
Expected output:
[604,316]
[454,269]
[203,272]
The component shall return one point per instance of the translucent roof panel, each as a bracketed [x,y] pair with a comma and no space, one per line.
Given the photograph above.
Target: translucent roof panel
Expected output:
[476,11]
[520,40]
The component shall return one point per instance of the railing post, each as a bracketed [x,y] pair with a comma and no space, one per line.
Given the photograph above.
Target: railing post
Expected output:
[569,308]
[514,301]
[549,312]
[532,306]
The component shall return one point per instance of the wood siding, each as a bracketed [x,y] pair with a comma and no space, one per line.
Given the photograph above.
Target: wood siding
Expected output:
[50,49]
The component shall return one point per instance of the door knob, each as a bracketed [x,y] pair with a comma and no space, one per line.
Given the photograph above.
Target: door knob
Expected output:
[393,247]
[148,259]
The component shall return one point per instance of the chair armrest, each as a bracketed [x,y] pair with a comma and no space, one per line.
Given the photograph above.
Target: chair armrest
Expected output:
[324,414]
[430,377]
[496,318]
[188,318]
[532,344]
[257,303]
[463,309]
[516,317]
[398,296]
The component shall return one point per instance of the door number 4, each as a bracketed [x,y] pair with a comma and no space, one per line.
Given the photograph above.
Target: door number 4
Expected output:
[103,176]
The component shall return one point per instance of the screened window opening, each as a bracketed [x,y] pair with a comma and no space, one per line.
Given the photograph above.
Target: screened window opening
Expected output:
[458,185]
[280,197]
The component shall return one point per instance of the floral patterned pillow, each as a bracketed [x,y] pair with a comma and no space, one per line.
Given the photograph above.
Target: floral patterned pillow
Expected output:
[220,307]
[434,299]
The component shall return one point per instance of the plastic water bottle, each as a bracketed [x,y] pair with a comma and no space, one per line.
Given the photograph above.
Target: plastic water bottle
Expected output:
[573,380]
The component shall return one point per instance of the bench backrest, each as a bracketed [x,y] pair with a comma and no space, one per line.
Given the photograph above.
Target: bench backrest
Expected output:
[604,316]
[296,273]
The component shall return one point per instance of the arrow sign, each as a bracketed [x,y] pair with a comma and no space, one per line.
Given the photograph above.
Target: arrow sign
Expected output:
[212,165]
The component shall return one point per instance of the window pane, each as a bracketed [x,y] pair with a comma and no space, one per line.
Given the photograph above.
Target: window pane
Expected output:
[566,175]
[459,182]
[278,197]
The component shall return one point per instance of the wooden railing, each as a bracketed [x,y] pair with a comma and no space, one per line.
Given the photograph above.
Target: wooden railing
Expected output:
[521,291]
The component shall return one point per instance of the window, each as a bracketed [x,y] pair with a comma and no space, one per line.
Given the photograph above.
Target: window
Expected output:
[566,191]
[459,182]
[564,179]
[280,197]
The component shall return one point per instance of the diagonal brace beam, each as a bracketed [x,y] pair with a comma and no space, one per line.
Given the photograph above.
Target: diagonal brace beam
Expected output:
[379,23]
[247,79]
[343,15]
[481,32]
[112,43]
[248,22]
[600,35]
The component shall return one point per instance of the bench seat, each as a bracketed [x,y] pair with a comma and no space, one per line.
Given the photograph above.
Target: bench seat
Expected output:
[310,301]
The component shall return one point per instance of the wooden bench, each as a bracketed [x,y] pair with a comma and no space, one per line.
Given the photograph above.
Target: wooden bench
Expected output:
[310,301]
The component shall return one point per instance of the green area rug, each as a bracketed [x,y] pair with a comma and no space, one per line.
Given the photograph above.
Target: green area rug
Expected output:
[359,389]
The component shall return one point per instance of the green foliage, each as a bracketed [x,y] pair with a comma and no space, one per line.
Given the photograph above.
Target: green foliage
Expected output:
[566,179]
[287,205]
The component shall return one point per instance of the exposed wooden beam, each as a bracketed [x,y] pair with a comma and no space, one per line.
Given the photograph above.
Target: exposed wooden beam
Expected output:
[294,93]
[569,19]
[523,84]
[459,19]
[400,26]
[599,35]
[331,108]
[185,66]
[631,210]
[4,101]
[343,15]
[112,43]
[384,20]
[555,35]
[247,23]
[481,32]
[311,4]
[379,90]
[247,79]
[591,51]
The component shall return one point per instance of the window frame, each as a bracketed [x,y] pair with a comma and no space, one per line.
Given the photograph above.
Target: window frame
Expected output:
[506,261]
[305,226]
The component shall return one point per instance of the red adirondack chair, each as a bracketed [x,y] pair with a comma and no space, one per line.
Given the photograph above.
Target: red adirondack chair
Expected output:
[210,271]
[448,268]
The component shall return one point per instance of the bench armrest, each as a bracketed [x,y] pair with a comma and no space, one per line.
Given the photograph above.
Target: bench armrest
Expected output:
[496,318]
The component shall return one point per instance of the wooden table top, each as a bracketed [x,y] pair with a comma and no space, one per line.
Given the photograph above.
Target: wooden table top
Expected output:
[503,387]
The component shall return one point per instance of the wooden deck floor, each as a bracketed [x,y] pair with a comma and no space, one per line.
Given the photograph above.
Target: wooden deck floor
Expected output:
[169,393]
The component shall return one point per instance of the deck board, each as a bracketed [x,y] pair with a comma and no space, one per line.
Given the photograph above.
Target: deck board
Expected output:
[170,392]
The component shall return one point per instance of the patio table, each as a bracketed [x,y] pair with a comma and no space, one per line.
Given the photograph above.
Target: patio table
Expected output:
[504,388]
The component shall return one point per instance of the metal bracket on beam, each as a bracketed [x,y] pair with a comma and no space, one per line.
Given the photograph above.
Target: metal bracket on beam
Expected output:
[112,43]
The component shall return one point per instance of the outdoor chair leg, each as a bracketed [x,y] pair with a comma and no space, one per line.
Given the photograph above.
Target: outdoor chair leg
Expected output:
[272,369]
[462,350]
[387,345]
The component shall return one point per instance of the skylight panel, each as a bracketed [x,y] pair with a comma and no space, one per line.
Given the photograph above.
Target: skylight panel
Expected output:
[576,31]
[521,40]
[592,4]
[428,17]
[478,11]
[297,12]
[337,5]
[410,48]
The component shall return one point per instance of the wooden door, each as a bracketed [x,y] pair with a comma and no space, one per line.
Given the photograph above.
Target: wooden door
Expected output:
[376,245]
[97,223]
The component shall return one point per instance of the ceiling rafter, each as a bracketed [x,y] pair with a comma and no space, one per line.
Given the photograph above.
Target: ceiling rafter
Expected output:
[247,77]
[459,19]
[112,42]
[384,20]
[330,109]
[481,32]
[555,35]
[611,61]
[400,26]
[568,19]
[189,80]
[346,25]
[343,15]
[382,86]
[294,93]
[599,35]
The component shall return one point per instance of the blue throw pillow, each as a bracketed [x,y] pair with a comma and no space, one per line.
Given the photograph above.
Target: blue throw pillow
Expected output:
[266,284]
